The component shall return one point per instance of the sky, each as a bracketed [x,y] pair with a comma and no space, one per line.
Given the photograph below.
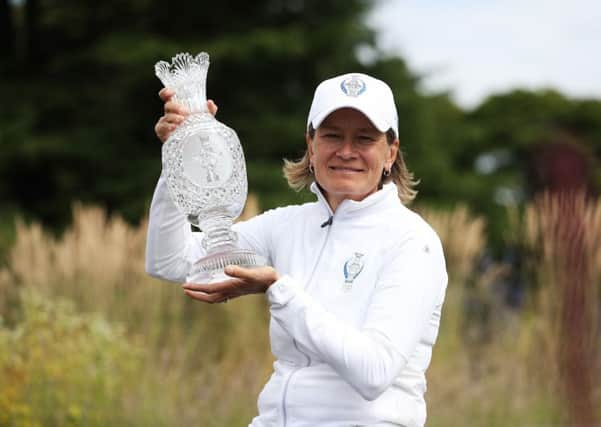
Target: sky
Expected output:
[473,48]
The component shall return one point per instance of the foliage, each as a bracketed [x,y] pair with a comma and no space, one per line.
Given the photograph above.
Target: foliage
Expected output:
[179,362]
[189,365]
[493,366]
[562,234]
[62,368]
[77,125]
[83,103]
[481,367]
[509,133]
[83,91]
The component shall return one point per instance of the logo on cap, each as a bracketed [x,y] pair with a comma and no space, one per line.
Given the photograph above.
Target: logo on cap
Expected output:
[353,86]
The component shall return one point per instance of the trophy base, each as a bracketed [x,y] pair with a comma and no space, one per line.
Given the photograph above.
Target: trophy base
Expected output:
[210,268]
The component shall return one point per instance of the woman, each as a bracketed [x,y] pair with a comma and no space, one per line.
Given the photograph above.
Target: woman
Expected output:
[358,280]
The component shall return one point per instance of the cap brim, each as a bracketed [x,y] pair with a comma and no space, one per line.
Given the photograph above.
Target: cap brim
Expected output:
[381,125]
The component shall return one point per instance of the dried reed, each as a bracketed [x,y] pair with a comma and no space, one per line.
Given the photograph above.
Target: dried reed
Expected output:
[463,239]
[478,375]
[214,356]
[563,235]
[206,364]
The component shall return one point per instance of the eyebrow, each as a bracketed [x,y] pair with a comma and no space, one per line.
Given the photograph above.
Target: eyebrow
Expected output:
[326,126]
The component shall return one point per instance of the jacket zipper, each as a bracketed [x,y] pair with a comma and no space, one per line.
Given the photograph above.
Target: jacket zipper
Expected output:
[285,392]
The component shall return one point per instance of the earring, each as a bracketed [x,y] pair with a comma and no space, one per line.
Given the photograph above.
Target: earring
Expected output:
[386,172]
[311,170]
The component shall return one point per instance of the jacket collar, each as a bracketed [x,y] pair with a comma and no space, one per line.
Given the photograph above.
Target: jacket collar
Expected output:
[386,196]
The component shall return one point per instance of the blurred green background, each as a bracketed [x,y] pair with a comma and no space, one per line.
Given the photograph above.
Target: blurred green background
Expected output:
[81,102]
[76,127]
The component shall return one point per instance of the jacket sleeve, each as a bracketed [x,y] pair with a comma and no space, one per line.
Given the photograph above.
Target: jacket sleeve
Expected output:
[170,243]
[404,301]
[172,247]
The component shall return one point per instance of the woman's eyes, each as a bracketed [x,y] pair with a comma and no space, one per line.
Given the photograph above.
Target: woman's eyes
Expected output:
[365,140]
[360,138]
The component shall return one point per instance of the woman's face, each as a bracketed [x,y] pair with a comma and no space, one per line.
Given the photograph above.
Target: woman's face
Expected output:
[349,155]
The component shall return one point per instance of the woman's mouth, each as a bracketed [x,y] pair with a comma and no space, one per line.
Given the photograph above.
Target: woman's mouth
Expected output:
[345,169]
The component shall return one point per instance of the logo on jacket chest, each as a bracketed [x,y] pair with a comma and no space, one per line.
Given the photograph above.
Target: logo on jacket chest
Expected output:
[352,268]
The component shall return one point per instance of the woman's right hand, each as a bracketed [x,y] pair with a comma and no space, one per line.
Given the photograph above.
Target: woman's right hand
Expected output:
[174,114]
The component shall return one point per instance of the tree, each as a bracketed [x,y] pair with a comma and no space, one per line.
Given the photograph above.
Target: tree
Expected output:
[7,32]
[85,101]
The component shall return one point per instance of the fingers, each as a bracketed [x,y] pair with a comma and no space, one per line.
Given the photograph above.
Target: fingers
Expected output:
[177,108]
[263,275]
[172,107]
[212,107]
[165,126]
[173,118]
[243,281]
[204,297]
[238,272]
[227,287]
[166,94]
[214,292]
[175,114]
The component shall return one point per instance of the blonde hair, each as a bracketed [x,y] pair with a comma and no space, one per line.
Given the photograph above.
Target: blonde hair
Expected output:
[299,176]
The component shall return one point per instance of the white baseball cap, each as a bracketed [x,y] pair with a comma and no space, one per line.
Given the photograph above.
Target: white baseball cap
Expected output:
[364,93]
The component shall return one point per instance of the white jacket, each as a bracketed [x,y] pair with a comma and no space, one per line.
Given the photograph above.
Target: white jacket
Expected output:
[355,315]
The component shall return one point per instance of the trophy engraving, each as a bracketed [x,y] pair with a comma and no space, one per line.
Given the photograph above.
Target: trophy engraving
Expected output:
[204,166]
[207,161]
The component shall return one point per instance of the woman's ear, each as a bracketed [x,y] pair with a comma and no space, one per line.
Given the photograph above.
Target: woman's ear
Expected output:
[392,154]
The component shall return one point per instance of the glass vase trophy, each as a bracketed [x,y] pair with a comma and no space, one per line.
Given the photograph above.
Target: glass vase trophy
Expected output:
[204,166]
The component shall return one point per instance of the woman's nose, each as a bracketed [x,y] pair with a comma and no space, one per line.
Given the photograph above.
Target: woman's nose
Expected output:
[346,149]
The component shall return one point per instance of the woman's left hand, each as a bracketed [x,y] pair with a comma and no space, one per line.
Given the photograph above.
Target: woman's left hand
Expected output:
[243,281]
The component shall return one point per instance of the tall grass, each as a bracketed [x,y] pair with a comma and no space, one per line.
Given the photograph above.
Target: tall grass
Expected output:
[112,346]
[61,368]
[196,364]
[563,237]
[479,374]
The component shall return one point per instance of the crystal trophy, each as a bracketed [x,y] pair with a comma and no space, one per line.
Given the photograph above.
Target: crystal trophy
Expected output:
[204,166]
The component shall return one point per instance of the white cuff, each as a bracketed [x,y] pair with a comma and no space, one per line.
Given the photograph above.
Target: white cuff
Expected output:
[281,291]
